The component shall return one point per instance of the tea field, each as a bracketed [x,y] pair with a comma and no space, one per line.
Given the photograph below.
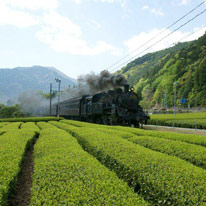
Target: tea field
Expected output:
[79,163]
[185,120]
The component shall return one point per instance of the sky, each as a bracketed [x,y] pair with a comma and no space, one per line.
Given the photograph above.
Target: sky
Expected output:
[82,36]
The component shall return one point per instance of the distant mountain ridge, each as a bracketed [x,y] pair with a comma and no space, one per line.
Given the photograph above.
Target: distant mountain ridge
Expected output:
[17,80]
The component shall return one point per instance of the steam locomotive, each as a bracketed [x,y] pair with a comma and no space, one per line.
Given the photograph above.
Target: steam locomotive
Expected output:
[115,107]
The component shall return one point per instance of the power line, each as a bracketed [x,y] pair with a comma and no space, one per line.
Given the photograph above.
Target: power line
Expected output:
[160,39]
[178,20]
[189,35]
[154,43]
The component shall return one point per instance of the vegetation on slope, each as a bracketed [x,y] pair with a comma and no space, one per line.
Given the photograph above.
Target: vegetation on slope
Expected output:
[154,74]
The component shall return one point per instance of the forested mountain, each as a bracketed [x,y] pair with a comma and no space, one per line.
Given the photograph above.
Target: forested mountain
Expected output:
[20,79]
[154,74]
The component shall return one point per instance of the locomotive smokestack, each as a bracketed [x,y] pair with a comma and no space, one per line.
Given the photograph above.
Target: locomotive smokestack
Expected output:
[126,88]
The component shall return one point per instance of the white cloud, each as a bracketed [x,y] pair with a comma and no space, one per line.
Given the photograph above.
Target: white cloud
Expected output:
[62,35]
[16,18]
[153,10]
[122,2]
[12,12]
[137,41]
[94,24]
[32,4]
[184,2]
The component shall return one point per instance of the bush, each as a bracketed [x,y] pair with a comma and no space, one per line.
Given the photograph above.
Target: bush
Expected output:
[14,143]
[159,178]
[64,174]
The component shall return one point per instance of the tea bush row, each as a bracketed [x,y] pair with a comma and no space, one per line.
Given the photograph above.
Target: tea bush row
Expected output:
[181,116]
[192,153]
[189,120]
[13,145]
[189,138]
[160,178]
[189,152]
[31,119]
[188,123]
[64,174]
[30,125]
[11,126]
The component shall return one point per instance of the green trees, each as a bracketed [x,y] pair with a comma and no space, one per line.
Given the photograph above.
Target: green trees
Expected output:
[184,63]
[10,111]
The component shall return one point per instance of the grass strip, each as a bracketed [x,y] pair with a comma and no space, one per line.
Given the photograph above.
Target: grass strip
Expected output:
[64,174]
[160,178]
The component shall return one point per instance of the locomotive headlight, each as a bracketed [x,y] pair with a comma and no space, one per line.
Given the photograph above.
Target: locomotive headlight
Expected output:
[132,89]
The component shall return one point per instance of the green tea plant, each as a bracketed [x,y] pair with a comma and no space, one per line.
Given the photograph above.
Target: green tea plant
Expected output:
[189,138]
[13,145]
[44,125]
[64,174]
[186,120]
[30,125]
[31,119]
[192,153]
[159,178]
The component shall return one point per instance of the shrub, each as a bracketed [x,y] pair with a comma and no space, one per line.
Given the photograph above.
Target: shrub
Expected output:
[64,174]
[13,145]
[162,179]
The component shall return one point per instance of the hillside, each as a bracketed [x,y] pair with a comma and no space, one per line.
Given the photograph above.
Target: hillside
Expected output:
[154,74]
[14,81]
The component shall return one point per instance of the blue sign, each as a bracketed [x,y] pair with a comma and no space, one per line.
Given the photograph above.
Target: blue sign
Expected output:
[183,101]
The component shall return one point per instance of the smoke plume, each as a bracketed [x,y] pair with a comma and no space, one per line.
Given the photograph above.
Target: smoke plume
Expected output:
[33,104]
[102,82]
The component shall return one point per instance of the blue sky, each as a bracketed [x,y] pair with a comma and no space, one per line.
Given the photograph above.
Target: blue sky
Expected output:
[82,36]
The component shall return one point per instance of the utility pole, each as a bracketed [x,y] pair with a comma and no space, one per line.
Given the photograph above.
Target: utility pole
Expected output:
[59,82]
[175,96]
[50,98]
[166,100]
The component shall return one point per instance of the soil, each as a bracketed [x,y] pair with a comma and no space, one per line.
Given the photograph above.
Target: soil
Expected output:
[21,196]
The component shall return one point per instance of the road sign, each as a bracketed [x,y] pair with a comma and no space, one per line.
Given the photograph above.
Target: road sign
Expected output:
[183,101]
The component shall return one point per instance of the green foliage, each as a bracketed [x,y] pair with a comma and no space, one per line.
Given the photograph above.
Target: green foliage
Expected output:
[31,119]
[13,146]
[187,120]
[192,153]
[11,126]
[189,152]
[162,179]
[64,174]
[30,125]
[184,63]
[47,95]
[189,138]
[10,111]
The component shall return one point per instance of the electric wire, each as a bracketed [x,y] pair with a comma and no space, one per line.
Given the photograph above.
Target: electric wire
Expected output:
[154,37]
[187,22]
[160,40]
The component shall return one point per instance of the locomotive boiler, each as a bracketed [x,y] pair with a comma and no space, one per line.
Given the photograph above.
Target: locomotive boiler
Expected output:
[115,107]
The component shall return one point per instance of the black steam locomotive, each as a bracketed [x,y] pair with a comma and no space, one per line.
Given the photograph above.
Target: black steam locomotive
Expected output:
[115,107]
